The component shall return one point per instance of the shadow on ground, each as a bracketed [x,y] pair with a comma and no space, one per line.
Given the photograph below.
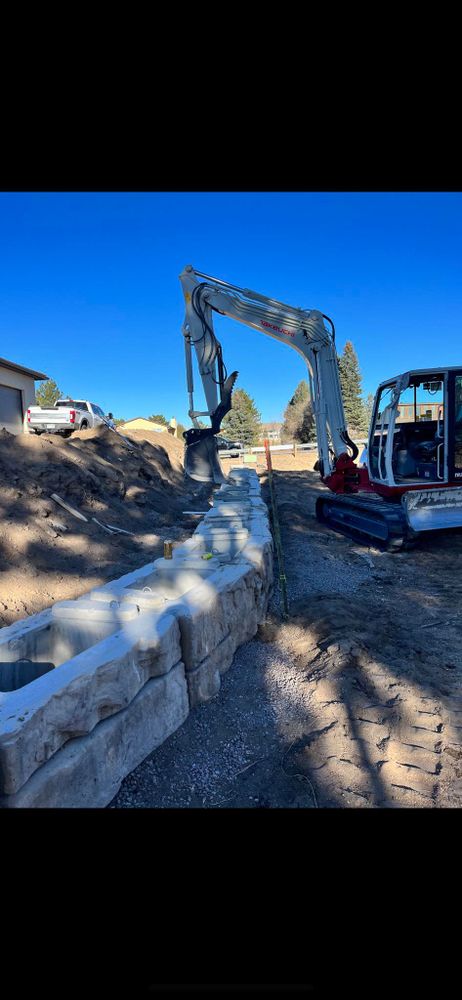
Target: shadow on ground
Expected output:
[356,700]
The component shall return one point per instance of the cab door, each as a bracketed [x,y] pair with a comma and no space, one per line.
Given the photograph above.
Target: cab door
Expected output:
[455,425]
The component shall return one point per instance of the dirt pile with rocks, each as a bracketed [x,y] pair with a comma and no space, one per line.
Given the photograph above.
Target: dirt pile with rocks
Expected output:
[134,482]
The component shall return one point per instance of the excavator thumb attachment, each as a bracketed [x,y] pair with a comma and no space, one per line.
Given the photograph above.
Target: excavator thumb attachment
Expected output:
[201,460]
[225,403]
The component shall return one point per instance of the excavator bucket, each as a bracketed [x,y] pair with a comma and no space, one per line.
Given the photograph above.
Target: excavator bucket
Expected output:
[201,460]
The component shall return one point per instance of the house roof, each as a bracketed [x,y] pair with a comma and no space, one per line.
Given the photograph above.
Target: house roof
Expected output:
[38,376]
[146,420]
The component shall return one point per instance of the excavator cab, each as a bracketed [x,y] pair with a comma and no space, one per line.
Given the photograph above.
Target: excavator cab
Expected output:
[416,431]
[409,435]
[415,445]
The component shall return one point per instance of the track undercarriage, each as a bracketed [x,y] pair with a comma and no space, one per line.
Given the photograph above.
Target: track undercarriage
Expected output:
[367,518]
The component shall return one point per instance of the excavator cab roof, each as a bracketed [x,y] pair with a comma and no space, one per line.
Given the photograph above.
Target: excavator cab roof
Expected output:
[429,373]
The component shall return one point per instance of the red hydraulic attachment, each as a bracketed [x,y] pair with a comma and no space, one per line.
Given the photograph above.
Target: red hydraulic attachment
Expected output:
[347,477]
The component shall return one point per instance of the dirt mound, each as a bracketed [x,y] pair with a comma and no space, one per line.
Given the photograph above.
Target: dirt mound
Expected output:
[92,463]
[134,482]
[173,447]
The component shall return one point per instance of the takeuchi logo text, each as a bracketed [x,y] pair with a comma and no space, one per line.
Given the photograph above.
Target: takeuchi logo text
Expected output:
[279,329]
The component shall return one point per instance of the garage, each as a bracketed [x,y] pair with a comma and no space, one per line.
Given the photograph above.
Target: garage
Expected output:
[11,413]
[17,393]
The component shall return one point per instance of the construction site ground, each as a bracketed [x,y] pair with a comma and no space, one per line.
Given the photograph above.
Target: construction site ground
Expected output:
[354,701]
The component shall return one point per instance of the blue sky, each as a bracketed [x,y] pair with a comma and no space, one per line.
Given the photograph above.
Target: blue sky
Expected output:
[89,289]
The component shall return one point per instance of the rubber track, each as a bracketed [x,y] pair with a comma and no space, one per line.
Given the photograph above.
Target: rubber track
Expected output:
[367,519]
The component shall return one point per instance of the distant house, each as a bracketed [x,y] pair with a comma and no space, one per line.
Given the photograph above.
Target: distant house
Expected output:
[17,393]
[272,431]
[424,411]
[142,424]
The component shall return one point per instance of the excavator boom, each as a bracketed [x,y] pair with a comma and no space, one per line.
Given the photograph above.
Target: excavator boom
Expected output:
[302,329]
[412,479]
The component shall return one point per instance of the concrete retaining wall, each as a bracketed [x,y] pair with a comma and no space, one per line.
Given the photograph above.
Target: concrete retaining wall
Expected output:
[90,687]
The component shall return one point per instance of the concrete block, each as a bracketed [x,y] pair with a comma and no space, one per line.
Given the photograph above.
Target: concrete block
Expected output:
[12,636]
[260,556]
[86,610]
[202,624]
[50,639]
[38,719]
[228,523]
[229,510]
[112,644]
[209,613]
[224,541]
[89,770]
[204,682]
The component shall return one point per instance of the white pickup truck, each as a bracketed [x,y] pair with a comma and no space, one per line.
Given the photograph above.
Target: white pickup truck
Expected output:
[65,416]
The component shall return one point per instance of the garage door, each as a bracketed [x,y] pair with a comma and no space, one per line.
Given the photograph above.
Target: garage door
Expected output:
[11,415]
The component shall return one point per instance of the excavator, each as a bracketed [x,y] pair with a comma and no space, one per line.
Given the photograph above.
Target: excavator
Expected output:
[411,479]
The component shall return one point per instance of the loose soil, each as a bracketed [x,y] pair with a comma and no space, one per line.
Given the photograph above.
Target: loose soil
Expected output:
[354,701]
[135,482]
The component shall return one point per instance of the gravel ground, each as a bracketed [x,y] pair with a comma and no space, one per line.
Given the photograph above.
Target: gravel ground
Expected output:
[348,703]
[235,749]
[229,749]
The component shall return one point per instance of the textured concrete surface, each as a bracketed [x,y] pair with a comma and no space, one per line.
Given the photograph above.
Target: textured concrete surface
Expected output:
[88,771]
[204,682]
[38,719]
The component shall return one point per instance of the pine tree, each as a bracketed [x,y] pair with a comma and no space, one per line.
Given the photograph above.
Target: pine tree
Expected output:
[368,408]
[243,422]
[158,418]
[298,416]
[350,381]
[47,393]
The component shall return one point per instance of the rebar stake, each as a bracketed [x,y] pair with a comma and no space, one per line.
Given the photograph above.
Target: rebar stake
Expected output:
[277,533]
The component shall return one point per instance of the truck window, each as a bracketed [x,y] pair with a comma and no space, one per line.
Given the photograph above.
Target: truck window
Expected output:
[77,403]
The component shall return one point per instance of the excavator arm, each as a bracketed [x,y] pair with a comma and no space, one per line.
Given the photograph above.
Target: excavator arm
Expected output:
[302,329]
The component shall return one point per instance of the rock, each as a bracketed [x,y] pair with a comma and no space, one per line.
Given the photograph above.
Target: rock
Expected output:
[267,632]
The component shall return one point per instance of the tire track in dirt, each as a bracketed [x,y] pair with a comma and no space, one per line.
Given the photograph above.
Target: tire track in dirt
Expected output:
[372,745]
[386,696]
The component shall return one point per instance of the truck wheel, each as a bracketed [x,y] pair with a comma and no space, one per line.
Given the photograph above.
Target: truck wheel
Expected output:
[84,425]
[38,432]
